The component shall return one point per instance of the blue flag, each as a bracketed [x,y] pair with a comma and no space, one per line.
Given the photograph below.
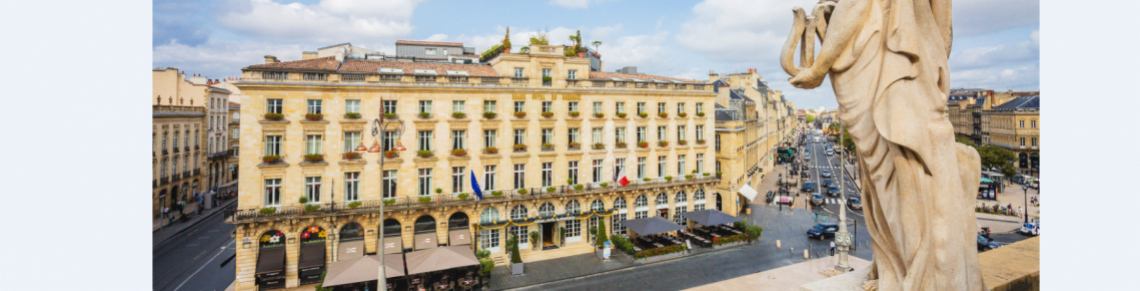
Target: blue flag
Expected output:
[475,185]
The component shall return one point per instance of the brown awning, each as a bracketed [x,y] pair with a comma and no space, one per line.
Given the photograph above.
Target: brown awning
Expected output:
[363,269]
[394,265]
[312,255]
[350,250]
[442,258]
[460,237]
[271,260]
[426,241]
[393,245]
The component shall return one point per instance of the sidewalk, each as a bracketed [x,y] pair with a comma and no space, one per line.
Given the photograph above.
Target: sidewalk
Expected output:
[163,231]
[556,270]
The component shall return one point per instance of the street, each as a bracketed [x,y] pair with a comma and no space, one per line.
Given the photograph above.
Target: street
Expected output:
[192,260]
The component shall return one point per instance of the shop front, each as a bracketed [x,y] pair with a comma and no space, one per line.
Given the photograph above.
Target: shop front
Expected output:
[458,229]
[350,243]
[270,273]
[312,262]
[425,237]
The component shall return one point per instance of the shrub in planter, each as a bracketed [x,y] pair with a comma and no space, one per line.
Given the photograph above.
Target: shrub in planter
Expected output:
[700,114]
[643,114]
[271,159]
[740,225]
[515,257]
[573,113]
[620,144]
[496,193]
[351,155]
[663,143]
[682,142]
[425,114]
[694,171]
[658,251]
[730,239]
[546,79]
[700,141]
[425,154]
[682,114]
[668,178]
[438,191]
[355,204]
[482,254]
[491,150]
[488,266]
[621,114]
[599,145]
[459,152]
[522,191]
[463,196]
[458,115]
[646,179]
[601,236]
[312,158]
[688,177]
[390,154]
[267,211]
[599,115]
[754,232]
[520,114]
[389,115]
[425,199]
[489,115]
[642,144]
[312,208]
[535,236]
[314,116]
[575,145]
[605,185]
[389,201]
[579,187]
[663,114]
[547,145]
[562,234]
[706,174]
[550,189]
[303,200]
[718,173]
[352,115]
[520,147]
[548,114]
[274,116]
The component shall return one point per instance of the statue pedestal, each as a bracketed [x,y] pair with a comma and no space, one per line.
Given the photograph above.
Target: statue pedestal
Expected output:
[850,281]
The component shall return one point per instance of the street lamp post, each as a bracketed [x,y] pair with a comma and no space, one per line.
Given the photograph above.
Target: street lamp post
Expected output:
[1025,190]
[842,237]
[377,125]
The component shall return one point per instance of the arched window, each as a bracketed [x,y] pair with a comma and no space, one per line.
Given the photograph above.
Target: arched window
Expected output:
[313,234]
[489,215]
[573,206]
[598,205]
[424,224]
[699,196]
[681,197]
[353,231]
[641,202]
[272,238]
[619,203]
[547,209]
[458,220]
[662,199]
[519,212]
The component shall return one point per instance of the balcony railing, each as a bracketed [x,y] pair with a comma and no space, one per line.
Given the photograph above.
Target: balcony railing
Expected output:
[164,180]
[506,81]
[441,200]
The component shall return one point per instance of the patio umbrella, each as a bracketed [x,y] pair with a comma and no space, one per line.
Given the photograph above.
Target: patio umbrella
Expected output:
[441,258]
[651,225]
[710,217]
[363,269]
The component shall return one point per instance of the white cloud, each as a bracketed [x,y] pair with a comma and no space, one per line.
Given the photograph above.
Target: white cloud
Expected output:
[979,57]
[330,21]
[1023,77]
[973,17]
[220,59]
[437,37]
[740,30]
[574,3]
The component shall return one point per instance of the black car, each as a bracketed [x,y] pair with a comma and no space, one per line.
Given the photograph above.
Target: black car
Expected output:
[770,196]
[805,167]
[823,231]
[984,244]
[804,174]
[833,191]
[808,186]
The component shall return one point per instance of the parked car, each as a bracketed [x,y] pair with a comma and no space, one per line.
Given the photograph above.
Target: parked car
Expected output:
[985,244]
[833,191]
[807,157]
[823,231]
[985,232]
[854,203]
[805,174]
[770,196]
[825,173]
[805,167]
[830,152]
[816,199]
[808,186]
[1030,229]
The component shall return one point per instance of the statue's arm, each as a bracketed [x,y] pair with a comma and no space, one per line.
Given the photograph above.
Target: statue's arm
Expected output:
[845,22]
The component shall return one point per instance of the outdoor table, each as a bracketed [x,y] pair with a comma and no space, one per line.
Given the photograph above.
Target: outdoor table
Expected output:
[658,245]
[636,249]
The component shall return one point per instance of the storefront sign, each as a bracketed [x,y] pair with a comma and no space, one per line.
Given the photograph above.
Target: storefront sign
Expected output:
[554,219]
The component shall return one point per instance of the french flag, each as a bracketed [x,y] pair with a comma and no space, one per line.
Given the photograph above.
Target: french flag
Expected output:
[621,178]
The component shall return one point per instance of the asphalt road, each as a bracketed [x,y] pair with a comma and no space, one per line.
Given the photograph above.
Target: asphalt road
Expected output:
[192,260]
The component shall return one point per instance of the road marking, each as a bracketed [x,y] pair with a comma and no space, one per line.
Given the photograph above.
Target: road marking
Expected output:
[204,265]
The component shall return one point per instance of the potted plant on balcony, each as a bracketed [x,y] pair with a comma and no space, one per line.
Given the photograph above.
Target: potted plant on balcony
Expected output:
[390,154]
[663,114]
[314,158]
[579,187]
[700,114]
[520,114]
[522,191]
[688,177]
[516,258]
[459,152]
[682,142]
[425,199]
[700,141]
[550,189]
[646,179]
[352,115]
[271,159]
[620,144]
[267,210]
[642,144]
[604,185]
[682,114]
[520,147]
[314,116]
[462,196]
[389,115]
[355,204]
[547,114]
[489,115]
[496,193]
[599,114]
[389,201]
[491,150]
[575,145]
[643,114]
[621,114]
[574,113]
[458,115]
[706,174]
[662,143]
[718,173]
[534,237]
[425,114]
[668,178]
[546,80]
[425,153]
[274,116]
[598,146]
[547,146]
[351,156]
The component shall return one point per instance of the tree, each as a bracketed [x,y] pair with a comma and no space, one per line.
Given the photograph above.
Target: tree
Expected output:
[515,257]
[848,142]
[602,238]
[507,39]
[810,118]
[539,38]
[965,140]
[833,127]
[578,42]
[596,44]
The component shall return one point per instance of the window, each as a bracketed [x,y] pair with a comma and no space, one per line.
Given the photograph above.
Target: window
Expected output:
[164,138]
[662,200]
[547,106]
[573,227]
[388,140]
[425,106]
[619,134]
[235,135]
[1023,141]
[458,139]
[388,181]
[1021,123]
[718,166]
[458,106]
[489,106]
[641,167]
[680,165]
[425,182]
[661,166]
[620,107]
[488,138]
[314,107]
[700,108]
[617,220]
[457,179]
[312,144]
[619,166]
[520,106]
[445,52]
[489,238]
[547,174]
[680,132]
[520,176]
[640,108]
[640,134]
[429,51]
[313,189]
[573,135]
[351,106]
[175,140]
[700,132]
[661,107]
[597,171]
[572,106]
[273,106]
[547,136]
[518,72]
[389,106]
[488,178]
[661,134]
[573,172]
[1032,124]
[546,72]
[597,135]
[1034,141]
[162,169]
[680,108]
[547,209]
[717,142]
[700,163]
[425,140]
[573,207]
[619,203]
[641,202]
[519,212]
[681,202]
[272,192]
[351,140]
[272,145]
[572,74]
[520,136]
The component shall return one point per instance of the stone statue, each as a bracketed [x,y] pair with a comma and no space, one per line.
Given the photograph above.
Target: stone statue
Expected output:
[888,65]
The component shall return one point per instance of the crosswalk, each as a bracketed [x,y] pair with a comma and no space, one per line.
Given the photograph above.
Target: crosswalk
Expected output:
[826,167]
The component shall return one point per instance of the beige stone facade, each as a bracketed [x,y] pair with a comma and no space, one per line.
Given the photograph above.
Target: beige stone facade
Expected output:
[178,136]
[443,108]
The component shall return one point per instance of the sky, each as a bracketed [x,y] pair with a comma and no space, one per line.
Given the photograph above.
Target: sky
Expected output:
[996,43]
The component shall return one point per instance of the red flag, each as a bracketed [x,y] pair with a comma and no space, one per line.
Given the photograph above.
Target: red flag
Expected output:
[622,179]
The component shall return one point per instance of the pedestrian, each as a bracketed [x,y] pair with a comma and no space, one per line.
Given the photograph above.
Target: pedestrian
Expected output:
[832,248]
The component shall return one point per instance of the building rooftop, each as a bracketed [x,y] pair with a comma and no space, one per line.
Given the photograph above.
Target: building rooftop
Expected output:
[373,66]
[635,77]
[1030,103]
[321,64]
[439,43]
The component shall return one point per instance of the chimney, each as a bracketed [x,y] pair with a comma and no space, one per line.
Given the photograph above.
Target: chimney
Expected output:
[308,55]
[270,59]
[722,93]
[713,77]
[198,80]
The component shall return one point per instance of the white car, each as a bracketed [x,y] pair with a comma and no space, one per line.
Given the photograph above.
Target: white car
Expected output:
[1029,229]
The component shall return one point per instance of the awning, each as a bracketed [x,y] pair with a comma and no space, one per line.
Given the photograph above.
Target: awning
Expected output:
[460,237]
[426,241]
[710,217]
[350,250]
[986,180]
[363,269]
[393,245]
[441,258]
[393,265]
[312,255]
[270,260]
[651,225]
[748,192]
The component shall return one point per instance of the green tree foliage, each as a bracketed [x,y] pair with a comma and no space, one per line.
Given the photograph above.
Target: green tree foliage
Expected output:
[810,118]
[833,127]
[848,143]
[515,257]
[965,140]
[602,238]
[539,38]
